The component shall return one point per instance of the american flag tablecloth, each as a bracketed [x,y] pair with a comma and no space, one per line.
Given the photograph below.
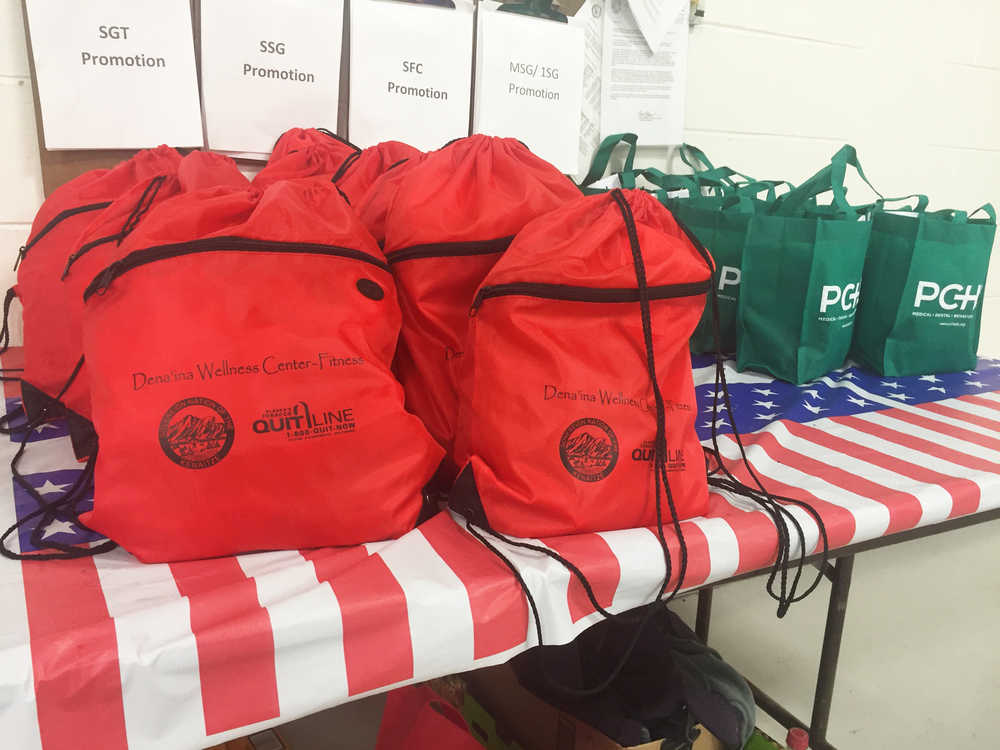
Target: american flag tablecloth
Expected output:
[109,653]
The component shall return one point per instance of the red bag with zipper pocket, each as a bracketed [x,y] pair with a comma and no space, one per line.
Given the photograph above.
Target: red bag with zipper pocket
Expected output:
[54,234]
[568,373]
[454,215]
[362,168]
[105,240]
[374,205]
[240,378]
[294,139]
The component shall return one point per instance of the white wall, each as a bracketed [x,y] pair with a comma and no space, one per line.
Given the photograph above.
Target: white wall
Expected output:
[774,88]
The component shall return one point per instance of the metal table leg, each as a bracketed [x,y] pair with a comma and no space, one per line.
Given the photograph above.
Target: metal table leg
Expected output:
[835,615]
[704,616]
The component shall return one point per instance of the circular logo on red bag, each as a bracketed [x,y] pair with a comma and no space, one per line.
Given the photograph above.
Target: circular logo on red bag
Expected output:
[589,449]
[196,433]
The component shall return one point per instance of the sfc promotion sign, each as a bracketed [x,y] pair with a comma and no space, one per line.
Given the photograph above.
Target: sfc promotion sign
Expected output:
[115,73]
[411,72]
[529,84]
[277,68]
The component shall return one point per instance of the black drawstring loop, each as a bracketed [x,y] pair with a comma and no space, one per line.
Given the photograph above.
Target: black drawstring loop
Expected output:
[143,205]
[345,165]
[639,617]
[48,509]
[774,505]
[5,330]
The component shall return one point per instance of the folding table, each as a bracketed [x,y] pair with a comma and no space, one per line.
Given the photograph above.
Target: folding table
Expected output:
[191,654]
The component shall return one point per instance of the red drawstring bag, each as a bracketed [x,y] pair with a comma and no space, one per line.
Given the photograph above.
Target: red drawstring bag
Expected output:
[54,233]
[304,153]
[240,379]
[360,170]
[295,139]
[417,718]
[577,398]
[454,215]
[373,206]
[106,240]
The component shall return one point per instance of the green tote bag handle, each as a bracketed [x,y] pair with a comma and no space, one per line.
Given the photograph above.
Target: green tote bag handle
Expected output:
[829,178]
[660,179]
[599,165]
[986,208]
[921,206]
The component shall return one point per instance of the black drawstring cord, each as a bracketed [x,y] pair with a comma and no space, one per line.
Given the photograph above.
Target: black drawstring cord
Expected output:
[5,428]
[659,475]
[143,205]
[5,330]
[345,165]
[48,509]
[769,503]
[660,457]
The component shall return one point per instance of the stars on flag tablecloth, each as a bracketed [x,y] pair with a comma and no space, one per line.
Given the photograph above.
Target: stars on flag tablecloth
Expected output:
[44,431]
[63,528]
[758,399]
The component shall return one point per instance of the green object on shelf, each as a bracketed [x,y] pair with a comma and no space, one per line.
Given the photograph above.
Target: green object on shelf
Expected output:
[483,726]
[760,741]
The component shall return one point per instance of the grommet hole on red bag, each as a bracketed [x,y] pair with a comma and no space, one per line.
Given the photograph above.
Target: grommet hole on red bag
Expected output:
[370,289]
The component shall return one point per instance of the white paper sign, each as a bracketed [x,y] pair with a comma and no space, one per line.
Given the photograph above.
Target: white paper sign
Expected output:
[591,20]
[529,84]
[115,73]
[643,92]
[266,66]
[655,18]
[411,73]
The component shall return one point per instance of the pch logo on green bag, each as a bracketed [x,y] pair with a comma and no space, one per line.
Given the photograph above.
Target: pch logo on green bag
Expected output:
[948,297]
[840,298]
[729,276]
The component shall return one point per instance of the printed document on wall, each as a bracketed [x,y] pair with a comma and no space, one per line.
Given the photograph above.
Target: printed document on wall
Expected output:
[115,73]
[642,91]
[411,72]
[278,68]
[529,84]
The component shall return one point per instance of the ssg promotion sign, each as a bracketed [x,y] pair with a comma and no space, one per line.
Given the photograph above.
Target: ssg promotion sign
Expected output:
[529,84]
[277,68]
[115,73]
[411,72]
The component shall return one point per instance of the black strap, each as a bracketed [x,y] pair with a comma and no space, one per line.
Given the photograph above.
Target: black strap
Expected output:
[639,617]
[774,505]
[48,509]
[5,330]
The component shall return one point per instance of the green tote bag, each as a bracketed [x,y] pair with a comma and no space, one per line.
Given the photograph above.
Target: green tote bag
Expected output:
[924,282]
[801,278]
[718,213]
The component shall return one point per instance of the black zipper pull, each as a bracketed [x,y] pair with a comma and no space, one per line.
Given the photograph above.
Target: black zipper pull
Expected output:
[476,303]
[20,256]
[107,276]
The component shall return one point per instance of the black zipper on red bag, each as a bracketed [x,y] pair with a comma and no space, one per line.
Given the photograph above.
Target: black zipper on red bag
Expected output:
[59,217]
[569,293]
[220,244]
[450,249]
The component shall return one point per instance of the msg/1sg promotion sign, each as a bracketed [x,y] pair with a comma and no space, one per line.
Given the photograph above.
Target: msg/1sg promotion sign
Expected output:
[529,84]
[411,72]
[115,73]
[266,66]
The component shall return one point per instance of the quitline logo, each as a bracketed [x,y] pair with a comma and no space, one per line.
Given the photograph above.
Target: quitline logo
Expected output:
[300,422]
